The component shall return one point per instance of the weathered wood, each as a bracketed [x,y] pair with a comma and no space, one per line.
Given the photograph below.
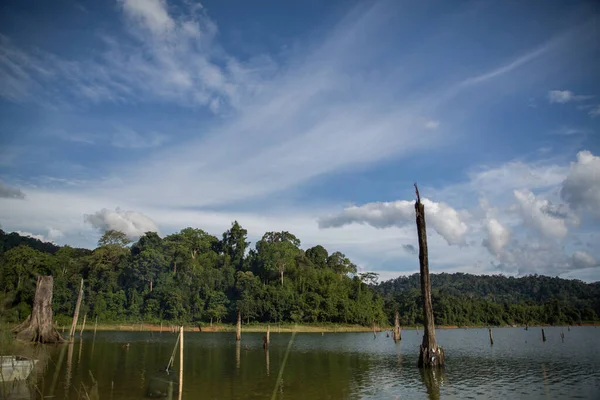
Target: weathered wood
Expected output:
[76,313]
[397,336]
[83,325]
[491,336]
[238,328]
[268,334]
[95,326]
[543,335]
[38,326]
[265,343]
[374,331]
[430,355]
[180,362]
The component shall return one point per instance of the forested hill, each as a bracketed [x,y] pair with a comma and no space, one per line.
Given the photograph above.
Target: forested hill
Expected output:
[465,299]
[189,277]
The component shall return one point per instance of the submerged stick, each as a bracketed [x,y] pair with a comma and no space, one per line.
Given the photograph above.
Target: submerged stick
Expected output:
[491,337]
[543,335]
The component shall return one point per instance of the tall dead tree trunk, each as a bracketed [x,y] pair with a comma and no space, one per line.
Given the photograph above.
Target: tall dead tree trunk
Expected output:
[397,335]
[431,355]
[76,314]
[38,327]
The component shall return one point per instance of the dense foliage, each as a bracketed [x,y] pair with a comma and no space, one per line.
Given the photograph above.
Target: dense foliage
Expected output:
[464,299]
[190,276]
[193,277]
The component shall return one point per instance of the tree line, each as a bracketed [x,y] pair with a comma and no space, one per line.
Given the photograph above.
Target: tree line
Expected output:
[190,277]
[466,300]
[194,277]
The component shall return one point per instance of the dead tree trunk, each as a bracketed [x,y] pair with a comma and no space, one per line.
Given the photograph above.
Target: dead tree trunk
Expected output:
[238,328]
[491,336]
[431,355]
[268,334]
[397,335]
[76,314]
[38,326]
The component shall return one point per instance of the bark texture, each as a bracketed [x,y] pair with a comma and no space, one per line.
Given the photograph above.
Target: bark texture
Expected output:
[430,355]
[397,332]
[238,328]
[38,327]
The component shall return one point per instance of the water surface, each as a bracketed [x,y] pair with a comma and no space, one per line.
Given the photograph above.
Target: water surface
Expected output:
[331,366]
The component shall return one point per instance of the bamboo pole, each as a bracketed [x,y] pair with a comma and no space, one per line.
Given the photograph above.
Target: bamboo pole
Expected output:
[430,355]
[83,325]
[181,362]
[238,328]
[76,314]
[491,337]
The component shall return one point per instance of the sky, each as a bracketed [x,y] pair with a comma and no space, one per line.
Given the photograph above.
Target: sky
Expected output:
[314,118]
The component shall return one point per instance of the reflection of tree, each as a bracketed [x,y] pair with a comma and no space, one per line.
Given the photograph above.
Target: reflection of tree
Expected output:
[433,379]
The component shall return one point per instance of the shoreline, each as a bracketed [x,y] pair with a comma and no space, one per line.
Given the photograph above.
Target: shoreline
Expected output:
[276,328]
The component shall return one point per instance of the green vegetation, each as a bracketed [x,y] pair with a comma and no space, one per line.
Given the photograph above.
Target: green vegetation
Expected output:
[190,277]
[471,300]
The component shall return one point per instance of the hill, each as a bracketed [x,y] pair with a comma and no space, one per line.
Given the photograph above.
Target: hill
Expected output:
[465,299]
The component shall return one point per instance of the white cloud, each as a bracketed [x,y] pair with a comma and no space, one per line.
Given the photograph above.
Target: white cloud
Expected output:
[581,188]
[132,223]
[532,209]
[50,237]
[441,217]
[565,96]
[498,236]
[431,124]
[151,14]
[595,111]
[131,139]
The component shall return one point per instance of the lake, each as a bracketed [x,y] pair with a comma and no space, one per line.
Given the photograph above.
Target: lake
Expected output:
[330,366]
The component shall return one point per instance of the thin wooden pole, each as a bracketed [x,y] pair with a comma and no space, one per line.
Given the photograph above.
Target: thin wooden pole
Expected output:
[76,314]
[268,334]
[83,325]
[374,331]
[491,337]
[181,362]
[562,334]
[238,329]
[95,326]
[431,355]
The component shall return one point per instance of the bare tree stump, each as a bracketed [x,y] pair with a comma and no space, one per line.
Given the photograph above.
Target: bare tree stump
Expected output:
[38,326]
[430,355]
[397,335]
[491,337]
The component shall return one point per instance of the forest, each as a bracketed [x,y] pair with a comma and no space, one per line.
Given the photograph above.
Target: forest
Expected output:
[193,277]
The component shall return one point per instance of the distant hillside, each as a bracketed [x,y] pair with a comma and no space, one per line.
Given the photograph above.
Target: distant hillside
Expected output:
[465,299]
[12,240]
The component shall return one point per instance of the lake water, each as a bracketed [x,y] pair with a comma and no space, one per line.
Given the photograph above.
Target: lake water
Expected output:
[332,366]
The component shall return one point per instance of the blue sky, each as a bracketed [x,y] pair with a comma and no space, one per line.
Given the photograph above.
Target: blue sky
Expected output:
[312,117]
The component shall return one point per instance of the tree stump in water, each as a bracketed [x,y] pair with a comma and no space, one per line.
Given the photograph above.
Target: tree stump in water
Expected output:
[38,326]
[430,355]
[238,328]
[396,334]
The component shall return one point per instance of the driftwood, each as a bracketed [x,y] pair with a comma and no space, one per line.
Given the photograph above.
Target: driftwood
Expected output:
[430,355]
[38,326]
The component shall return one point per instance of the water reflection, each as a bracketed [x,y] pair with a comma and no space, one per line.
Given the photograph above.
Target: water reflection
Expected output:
[341,365]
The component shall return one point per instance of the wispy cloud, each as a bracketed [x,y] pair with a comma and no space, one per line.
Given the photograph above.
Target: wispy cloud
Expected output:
[595,111]
[566,96]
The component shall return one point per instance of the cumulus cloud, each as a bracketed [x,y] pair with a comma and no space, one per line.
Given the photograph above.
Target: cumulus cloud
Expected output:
[445,220]
[132,223]
[581,188]
[532,209]
[51,237]
[582,259]
[497,238]
[9,192]
[565,96]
